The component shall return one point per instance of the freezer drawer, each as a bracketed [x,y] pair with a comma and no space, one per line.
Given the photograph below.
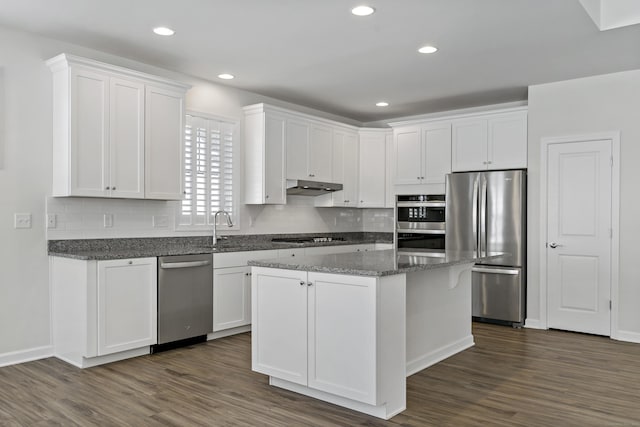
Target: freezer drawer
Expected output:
[498,293]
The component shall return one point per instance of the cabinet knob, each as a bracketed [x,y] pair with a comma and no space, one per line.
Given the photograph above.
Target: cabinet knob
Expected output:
[301,283]
[489,162]
[293,254]
[108,188]
[417,177]
[309,284]
[130,262]
[266,197]
[311,175]
[422,177]
[113,188]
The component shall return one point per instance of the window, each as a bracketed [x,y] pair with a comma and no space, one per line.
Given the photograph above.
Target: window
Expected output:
[209,145]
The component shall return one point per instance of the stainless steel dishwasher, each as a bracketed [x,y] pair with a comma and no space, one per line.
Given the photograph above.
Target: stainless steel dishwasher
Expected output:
[185,299]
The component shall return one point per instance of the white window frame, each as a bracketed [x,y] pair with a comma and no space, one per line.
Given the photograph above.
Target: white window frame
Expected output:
[236,185]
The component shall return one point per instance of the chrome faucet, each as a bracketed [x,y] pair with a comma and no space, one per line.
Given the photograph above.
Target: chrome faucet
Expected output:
[215,219]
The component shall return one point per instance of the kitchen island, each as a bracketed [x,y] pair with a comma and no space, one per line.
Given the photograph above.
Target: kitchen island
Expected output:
[349,328]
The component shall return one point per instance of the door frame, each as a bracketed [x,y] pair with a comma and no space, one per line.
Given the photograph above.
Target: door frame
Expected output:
[614,137]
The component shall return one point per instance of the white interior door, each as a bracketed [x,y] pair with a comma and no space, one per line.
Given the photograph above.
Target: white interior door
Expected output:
[579,205]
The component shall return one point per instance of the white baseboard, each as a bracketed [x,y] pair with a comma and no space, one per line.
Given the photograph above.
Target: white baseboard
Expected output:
[533,324]
[627,336]
[433,357]
[23,356]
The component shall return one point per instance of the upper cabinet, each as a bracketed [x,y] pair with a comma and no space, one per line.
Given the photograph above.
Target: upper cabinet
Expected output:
[422,153]
[264,136]
[345,167]
[117,132]
[490,142]
[373,160]
[309,150]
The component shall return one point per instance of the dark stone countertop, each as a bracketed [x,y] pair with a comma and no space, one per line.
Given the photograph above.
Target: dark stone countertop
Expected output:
[374,263]
[105,249]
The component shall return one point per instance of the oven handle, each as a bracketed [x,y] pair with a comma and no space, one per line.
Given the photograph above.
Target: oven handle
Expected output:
[419,231]
[186,264]
[421,204]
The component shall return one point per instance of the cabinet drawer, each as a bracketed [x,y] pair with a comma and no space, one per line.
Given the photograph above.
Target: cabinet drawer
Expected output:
[239,259]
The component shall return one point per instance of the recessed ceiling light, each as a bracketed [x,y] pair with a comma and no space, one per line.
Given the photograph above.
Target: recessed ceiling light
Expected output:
[428,49]
[382,104]
[226,76]
[163,31]
[362,10]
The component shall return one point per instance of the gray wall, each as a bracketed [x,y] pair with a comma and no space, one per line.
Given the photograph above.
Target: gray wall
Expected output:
[576,107]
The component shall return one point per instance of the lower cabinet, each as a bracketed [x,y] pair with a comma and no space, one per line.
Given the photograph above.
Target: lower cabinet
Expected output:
[317,330]
[103,309]
[231,297]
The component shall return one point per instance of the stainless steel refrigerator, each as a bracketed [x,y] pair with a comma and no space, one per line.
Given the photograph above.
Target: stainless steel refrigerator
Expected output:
[486,212]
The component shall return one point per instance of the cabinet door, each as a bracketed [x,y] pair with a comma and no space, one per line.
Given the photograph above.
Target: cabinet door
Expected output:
[126,138]
[89,133]
[298,136]
[507,147]
[372,186]
[469,145]
[342,336]
[274,155]
[231,297]
[279,330]
[345,168]
[127,301]
[319,155]
[407,155]
[164,130]
[436,140]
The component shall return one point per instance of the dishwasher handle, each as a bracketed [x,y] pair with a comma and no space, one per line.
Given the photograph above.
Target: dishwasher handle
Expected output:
[186,264]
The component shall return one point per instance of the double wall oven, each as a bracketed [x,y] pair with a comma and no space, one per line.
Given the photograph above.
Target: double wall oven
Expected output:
[420,222]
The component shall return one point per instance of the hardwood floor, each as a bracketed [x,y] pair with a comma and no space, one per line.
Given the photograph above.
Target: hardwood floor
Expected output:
[510,378]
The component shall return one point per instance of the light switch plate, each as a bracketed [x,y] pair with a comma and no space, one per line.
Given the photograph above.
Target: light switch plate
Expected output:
[22,220]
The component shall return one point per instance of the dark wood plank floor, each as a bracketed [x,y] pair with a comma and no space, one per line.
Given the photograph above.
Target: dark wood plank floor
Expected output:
[512,377]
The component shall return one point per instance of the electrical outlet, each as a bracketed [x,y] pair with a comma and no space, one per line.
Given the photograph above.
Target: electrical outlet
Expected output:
[160,221]
[22,220]
[108,220]
[52,221]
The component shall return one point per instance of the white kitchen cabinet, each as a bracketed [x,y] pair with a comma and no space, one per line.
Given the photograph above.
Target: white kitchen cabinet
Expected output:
[110,137]
[490,142]
[232,289]
[309,150]
[164,150]
[103,310]
[231,297]
[291,252]
[422,153]
[325,327]
[265,132]
[345,168]
[127,301]
[372,169]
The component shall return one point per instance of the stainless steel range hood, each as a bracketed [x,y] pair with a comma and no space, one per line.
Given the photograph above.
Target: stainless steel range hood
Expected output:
[310,188]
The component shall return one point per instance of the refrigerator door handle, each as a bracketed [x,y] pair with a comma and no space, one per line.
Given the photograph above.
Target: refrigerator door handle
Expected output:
[483,217]
[507,271]
[474,216]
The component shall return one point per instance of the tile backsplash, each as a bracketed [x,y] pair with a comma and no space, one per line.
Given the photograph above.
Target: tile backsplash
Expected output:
[96,218]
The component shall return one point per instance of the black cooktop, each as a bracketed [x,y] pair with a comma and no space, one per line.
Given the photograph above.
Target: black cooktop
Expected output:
[306,239]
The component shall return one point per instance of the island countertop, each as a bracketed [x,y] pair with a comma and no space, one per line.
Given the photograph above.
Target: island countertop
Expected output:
[373,263]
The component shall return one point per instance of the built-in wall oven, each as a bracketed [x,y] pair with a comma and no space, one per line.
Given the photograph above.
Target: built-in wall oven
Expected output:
[420,222]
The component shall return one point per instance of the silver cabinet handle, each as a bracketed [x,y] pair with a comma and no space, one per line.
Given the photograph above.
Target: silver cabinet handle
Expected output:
[309,284]
[554,245]
[187,264]
[302,283]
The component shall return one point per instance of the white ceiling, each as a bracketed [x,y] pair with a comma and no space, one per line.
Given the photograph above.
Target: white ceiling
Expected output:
[319,55]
